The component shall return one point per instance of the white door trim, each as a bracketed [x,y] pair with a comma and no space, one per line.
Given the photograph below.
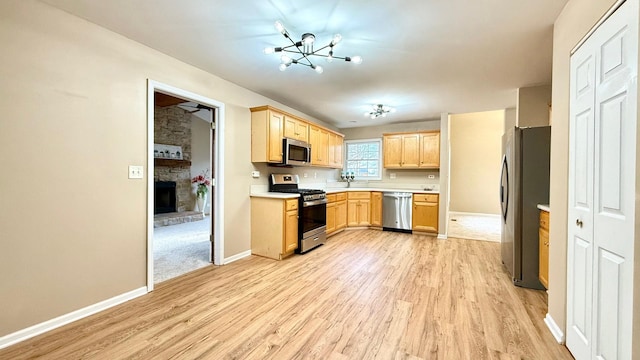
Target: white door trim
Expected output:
[218,205]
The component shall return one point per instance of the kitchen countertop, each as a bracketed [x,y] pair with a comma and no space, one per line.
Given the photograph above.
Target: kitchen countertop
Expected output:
[544,207]
[415,191]
[274,195]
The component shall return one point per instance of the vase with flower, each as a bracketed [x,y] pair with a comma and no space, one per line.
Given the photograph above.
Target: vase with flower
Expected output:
[202,181]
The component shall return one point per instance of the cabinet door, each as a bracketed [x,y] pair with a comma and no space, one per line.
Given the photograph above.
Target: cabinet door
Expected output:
[410,151]
[364,212]
[353,207]
[425,216]
[290,127]
[376,208]
[392,151]
[331,217]
[335,150]
[319,140]
[290,231]
[430,150]
[543,265]
[276,133]
[341,215]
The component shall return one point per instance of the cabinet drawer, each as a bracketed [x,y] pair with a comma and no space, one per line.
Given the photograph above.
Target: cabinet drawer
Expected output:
[291,204]
[544,220]
[359,195]
[331,198]
[341,196]
[433,198]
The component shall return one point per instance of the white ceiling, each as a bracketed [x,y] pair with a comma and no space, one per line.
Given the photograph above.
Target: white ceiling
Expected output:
[423,57]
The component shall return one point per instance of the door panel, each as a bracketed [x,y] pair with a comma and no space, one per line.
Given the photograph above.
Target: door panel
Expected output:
[609,315]
[580,213]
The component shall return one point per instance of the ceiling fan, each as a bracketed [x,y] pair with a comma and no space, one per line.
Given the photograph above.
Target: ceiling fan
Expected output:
[196,108]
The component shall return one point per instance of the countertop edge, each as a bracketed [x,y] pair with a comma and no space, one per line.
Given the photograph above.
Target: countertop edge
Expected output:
[544,207]
[415,191]
[273,195]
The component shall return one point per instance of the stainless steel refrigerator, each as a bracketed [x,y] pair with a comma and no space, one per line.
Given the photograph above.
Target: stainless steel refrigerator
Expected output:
[524,183]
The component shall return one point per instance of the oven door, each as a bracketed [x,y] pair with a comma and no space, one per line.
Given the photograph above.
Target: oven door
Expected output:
[313,217]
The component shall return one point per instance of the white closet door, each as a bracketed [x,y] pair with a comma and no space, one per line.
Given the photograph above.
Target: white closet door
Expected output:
[602,189]
[580,207]
[614,182]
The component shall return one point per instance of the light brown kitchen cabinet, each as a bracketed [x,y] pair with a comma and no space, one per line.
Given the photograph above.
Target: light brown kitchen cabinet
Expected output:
[358,208]
[336,143]
[274,227]
[336,212]
[296,129]
[266,135]
[376,208]
[411,150]
[430,150]
[543,248]
[424,216]
[319,140]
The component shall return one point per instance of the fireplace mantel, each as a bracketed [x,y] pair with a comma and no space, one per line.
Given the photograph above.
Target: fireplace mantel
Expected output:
[171,162]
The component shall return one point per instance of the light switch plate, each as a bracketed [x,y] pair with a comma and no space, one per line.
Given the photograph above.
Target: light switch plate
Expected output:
[392,175]
[432,176]
[136,172]
[255,174]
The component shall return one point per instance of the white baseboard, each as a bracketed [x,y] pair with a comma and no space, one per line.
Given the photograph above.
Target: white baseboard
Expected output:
[453,213]
[554,328]
[442,236]
[236,257]
[35,330]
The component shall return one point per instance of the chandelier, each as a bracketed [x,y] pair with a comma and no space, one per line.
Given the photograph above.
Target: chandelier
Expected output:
[379,110]
[302,51]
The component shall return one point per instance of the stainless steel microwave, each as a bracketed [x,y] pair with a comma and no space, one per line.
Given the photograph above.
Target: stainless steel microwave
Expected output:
[296,152]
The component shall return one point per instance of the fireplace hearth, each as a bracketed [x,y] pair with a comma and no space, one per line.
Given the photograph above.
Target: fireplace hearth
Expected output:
[164,197]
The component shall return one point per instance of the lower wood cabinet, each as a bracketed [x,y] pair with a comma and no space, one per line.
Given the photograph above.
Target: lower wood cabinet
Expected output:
[376,209]
[543,255]
[425,213]
[358,208]
[336,212]
[274,227]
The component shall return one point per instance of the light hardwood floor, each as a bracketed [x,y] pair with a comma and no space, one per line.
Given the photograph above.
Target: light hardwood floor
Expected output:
[365,294]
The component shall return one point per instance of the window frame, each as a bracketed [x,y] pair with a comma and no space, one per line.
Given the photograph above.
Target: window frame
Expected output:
[379,159]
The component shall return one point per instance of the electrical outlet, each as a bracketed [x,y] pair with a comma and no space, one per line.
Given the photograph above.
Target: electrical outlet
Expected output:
[315,175]
[304,175]
[392,175]
[136,172]
[431,176]
[255,174]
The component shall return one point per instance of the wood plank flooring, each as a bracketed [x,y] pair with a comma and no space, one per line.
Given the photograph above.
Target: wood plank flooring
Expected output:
[365,294]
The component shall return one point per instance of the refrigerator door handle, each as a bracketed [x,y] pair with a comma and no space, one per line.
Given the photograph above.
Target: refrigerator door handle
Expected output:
[504,188]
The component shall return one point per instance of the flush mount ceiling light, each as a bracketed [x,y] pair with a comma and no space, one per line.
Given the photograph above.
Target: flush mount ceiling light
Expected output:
[379,110]
[303,49]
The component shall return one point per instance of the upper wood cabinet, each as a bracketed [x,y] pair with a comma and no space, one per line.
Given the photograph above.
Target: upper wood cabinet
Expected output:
[296,129]
[269,125]
[411,150]
[266,135]
[430,150]
[336,144]
[319,140]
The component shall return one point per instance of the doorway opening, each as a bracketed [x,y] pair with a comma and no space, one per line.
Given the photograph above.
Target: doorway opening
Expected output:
[184,216]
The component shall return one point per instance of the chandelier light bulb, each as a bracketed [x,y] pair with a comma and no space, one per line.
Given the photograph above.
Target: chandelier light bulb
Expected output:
[283,67]
[336,39]
[356,59]
[280,27]
[286,59]
[269,50]
[318,69]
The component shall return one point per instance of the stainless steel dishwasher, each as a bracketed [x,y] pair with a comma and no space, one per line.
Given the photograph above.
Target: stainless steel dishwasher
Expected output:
[396,211]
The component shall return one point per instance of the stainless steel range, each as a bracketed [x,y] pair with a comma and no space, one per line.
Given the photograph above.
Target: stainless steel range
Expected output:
[312,210]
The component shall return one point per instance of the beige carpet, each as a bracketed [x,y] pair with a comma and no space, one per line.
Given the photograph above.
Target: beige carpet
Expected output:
[179,249]
[474,227]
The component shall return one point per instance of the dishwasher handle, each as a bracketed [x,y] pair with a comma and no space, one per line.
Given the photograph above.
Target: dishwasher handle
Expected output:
[397,195]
